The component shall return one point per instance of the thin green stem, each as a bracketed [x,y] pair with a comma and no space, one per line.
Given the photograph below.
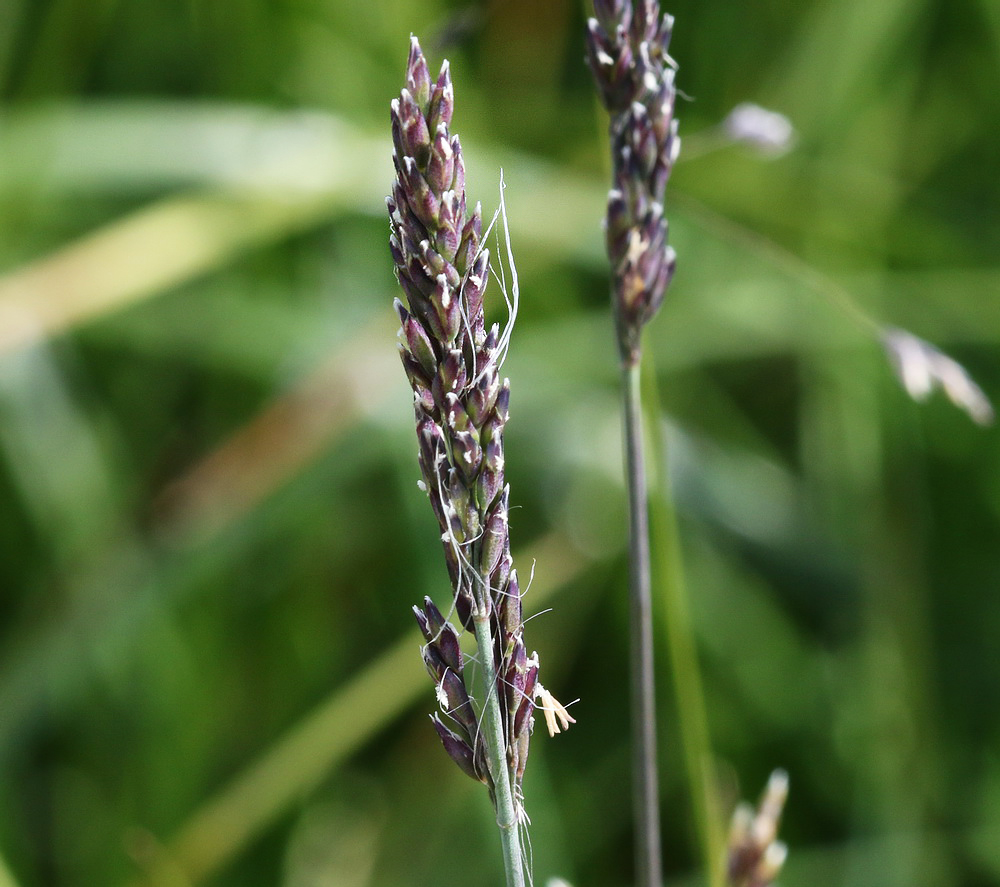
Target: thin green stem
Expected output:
[496,756]
[645,786]
[684,668]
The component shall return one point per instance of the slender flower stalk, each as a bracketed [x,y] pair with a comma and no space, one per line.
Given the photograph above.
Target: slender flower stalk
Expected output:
[628,46]
[461,406]
[645,781]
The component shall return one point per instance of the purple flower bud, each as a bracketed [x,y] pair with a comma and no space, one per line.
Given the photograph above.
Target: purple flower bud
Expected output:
[410,130]
[468,457]
[423,622]
[434,663]
[468,251]
[501,572]
[463,609]
[453,378]
[418,78]
[610,12]
[495,541]
[415,373]
[518,659]
[523,715]
[511,611]
[449,647]
[458,175]
[418,343]
[440,635]
[531,678]
[456,701]
[445,317]
[455,416]
[490,480]
[458,749]
[424,204]
[447,238]
[442,100]
[521,745]
[434,616]
[441,166]
[464,518]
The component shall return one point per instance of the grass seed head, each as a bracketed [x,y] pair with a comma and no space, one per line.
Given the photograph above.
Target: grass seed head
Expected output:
[627,49]
[452,362]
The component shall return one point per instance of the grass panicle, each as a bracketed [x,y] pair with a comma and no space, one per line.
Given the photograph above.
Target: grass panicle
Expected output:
[461,406]
[627,47]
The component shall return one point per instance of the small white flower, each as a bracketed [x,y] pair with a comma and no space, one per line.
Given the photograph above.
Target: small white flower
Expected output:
[921,368]
[753,125]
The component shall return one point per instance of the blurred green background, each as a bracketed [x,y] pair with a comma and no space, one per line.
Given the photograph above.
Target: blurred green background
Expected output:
[210,529]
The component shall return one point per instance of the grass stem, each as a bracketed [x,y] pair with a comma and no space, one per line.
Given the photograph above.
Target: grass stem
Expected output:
[645,788]
[510,836]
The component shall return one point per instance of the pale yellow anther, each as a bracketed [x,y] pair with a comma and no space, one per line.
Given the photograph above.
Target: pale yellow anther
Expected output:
[557,718]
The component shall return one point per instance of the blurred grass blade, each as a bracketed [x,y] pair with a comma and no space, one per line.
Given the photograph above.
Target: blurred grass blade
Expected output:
[835,55]
[908,355]
[283,437]
[685,671]
[115,145]
[291,156]
[7,878]
[225,824]
[139,256]
[784,260]
[300,761]
[58,462]
[129,582]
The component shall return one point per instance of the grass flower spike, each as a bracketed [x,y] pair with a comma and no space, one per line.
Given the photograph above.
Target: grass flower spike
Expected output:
[627,47]
[461,404]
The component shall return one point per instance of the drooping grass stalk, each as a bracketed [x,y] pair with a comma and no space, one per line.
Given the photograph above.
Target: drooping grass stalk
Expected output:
[628,46]
[461,408]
